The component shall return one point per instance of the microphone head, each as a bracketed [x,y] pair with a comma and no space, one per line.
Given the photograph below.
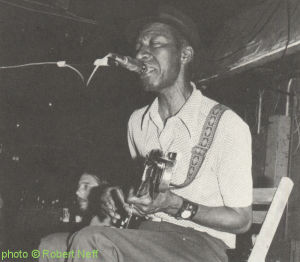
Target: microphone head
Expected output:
[112,62]
[128,63]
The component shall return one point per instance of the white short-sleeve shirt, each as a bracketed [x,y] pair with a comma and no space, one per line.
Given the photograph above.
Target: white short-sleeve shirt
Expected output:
[225,176]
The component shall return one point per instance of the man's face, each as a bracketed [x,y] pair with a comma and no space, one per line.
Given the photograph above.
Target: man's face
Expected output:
[158,48]
[85,184]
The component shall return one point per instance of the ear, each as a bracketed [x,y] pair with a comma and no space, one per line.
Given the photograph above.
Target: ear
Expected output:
[187,54]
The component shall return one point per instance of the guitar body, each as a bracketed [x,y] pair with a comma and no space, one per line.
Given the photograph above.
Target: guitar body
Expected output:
[157,175]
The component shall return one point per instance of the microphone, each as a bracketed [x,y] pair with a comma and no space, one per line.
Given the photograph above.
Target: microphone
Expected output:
[127,62]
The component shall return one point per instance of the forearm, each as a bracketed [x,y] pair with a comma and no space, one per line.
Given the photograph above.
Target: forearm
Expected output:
[227,219]
[223,219]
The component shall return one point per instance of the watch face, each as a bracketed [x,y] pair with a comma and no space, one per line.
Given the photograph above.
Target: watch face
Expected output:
[186,214]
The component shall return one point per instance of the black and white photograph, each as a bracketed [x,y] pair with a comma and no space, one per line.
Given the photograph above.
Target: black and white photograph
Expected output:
[150,131]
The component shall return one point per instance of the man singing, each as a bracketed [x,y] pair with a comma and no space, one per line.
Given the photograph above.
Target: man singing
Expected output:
[199,221]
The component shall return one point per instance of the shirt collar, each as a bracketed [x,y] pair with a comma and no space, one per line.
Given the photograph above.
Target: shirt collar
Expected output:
[189,112]
[187,115]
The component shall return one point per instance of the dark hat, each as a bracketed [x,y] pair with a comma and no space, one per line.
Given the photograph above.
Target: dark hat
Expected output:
[171,16]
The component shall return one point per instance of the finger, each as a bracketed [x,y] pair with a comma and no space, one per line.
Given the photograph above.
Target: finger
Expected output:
[107,198]
[130,209]
[131,193]
[147,209]
[143,200]
[119,195]
[114,215]
[138,212]
[110,211]
[134,199]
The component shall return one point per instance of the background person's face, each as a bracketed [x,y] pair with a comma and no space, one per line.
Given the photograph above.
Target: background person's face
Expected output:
[158,48]
[85,184]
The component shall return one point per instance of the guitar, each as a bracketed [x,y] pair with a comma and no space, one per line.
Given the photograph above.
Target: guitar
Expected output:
[157,175]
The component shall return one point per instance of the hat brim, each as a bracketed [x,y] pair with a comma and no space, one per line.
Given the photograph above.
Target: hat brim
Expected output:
[136,26]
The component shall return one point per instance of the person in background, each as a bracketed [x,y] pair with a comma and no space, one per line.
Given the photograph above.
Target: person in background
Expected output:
[86,183]
[90,188]
[96,214]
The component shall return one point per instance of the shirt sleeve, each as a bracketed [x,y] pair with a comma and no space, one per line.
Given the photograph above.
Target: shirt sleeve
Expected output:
[235,163]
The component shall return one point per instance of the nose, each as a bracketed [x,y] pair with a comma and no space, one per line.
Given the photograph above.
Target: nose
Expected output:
[143,54]
[79,192]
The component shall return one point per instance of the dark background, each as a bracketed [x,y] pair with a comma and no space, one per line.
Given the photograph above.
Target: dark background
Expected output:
[53,127]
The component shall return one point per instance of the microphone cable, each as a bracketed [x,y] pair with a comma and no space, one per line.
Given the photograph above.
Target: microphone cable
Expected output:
[58,64]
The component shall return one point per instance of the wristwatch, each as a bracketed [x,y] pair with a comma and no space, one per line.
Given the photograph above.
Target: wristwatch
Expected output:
[187,210]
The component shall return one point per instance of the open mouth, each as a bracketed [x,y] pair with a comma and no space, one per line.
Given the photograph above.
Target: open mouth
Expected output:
[148,72]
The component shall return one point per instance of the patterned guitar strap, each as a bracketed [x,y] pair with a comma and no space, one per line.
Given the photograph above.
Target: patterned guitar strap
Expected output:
[207,136]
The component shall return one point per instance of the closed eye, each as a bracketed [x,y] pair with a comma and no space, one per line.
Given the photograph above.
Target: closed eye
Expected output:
[156,44]
[159,40]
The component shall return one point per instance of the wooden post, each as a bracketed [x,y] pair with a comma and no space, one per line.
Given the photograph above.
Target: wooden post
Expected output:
[277,153]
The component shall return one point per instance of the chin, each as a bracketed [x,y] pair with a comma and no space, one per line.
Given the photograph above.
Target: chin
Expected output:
[150,86]
[156,84]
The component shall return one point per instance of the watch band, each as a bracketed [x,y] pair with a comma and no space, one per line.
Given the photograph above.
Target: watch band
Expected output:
[187,210]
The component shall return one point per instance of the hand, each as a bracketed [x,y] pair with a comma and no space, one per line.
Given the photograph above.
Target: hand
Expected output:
[166,202]
[108,202]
